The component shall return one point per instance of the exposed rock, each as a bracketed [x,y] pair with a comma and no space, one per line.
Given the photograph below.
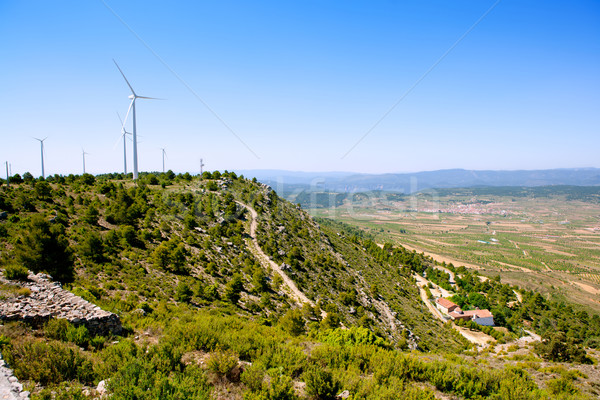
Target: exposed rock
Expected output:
[10,388]
[101,389]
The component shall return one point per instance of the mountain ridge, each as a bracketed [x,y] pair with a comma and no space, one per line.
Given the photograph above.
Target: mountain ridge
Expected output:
[413,182]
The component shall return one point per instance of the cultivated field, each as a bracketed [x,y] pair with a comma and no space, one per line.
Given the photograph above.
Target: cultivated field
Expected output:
[550,242]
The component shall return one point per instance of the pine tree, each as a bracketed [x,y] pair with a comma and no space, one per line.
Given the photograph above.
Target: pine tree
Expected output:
[43,247]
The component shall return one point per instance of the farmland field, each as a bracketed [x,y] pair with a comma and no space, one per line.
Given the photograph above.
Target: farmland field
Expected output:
[549,242]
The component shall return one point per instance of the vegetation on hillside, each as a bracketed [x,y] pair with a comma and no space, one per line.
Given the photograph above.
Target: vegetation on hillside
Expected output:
[203,317]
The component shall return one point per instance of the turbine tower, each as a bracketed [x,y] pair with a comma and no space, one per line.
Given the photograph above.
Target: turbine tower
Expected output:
[201,165]
[42,151]
[133,98]
[7,177]
[124,134]
[83,153]
[163,157]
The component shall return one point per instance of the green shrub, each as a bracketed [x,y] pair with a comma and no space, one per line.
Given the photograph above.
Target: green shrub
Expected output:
[57,329]
[64,391]
[48,363]
[4,341]
[562,385]
[63,330]
[139,380]
[223,363]
[320,384]
[280,387]
[253,377]
[16,272]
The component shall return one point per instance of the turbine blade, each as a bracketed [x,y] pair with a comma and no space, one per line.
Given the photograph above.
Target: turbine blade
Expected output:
[118,141]
[120,120]
[132,91]
[127,115]
[149,98]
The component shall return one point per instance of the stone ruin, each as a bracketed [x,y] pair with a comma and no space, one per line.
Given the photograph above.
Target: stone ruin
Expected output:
[49,300]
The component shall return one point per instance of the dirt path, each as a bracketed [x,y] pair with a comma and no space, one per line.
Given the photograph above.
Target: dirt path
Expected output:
[293,291]
[421,283]
[477,337]
[547,267]
[519,297]
[587,288]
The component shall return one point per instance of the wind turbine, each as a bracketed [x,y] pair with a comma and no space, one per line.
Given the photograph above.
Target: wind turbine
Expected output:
[133,98]
[83,153]
[164,153]
[201,165]
[42,151]
[124,134]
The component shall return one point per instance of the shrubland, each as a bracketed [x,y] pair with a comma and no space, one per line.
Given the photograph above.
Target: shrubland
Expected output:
[203,316]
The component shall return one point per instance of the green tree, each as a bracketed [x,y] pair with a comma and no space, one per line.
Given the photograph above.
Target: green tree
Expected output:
[233,289]
[259,280]
[91,215]
[43,190]
[183,293]
[43,247]
[331,321]
[293,322]
[92,247]
[170,256]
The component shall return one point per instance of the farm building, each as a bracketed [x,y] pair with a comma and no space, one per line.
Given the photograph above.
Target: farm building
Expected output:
[481,317]
[445,305]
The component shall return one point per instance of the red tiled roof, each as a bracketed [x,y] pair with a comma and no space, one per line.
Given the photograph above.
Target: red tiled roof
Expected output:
[482,313]
[445,303]
[472,314]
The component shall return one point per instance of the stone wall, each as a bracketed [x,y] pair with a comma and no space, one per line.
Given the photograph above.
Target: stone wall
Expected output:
[10,388]
[49,300]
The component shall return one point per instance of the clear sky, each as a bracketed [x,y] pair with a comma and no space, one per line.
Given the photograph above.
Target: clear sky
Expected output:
[296,84]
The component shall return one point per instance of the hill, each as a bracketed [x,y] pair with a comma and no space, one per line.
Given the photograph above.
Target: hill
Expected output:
[227,290]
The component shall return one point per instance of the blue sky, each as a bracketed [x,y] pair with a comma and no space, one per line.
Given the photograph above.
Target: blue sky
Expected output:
[295,85]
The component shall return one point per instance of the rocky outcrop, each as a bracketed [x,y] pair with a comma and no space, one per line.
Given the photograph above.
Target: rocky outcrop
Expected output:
[10,388]
[49,300]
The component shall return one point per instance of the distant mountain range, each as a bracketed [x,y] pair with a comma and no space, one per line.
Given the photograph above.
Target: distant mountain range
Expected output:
[413,182]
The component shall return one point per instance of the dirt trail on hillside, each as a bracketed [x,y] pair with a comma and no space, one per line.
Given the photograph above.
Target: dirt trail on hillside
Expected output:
[421,283]
[295,293]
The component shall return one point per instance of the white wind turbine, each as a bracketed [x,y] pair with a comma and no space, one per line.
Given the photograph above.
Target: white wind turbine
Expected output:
[164,153]
[83,153]
[133,98]
[42,151]
[124,134]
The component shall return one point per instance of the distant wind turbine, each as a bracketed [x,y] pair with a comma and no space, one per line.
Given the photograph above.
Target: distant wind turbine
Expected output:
[124,134]
[201,166]
[7,176]
[164,153]
[83,153]
[133,98]
[42,151]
